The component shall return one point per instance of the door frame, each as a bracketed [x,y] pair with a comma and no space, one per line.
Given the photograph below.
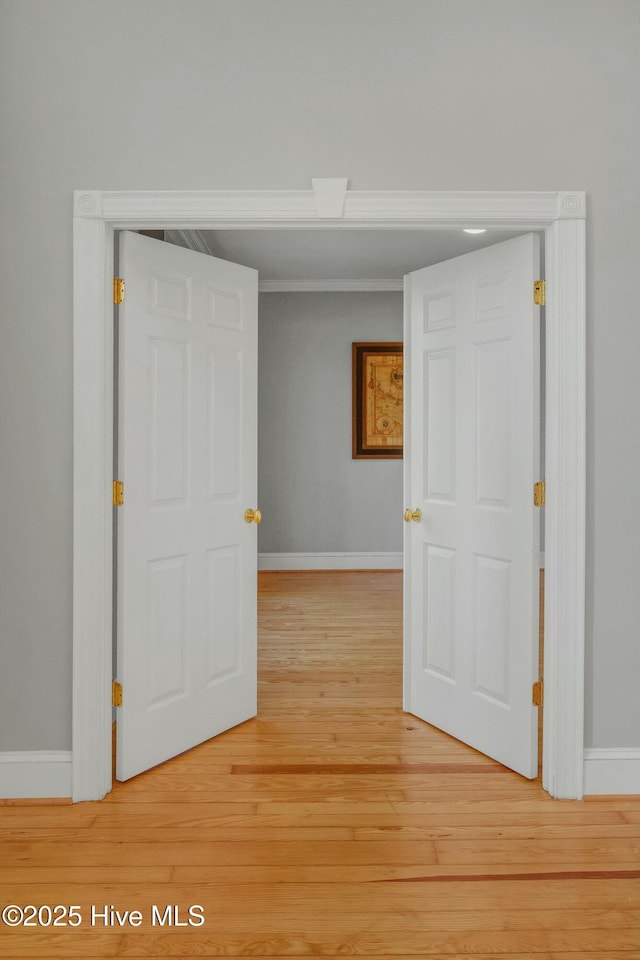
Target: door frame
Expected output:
[96,217]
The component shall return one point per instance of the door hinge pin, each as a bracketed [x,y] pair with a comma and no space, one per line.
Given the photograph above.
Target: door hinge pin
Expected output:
[116,694]
[539,493]
[539,292]
[118,290]
[537,693]
[118,493]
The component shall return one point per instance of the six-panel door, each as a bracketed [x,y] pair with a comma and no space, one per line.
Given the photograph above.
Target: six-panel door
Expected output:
[186,580]
[471,563]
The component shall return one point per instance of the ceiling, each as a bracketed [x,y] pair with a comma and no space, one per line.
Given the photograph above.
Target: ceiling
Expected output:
[295,255]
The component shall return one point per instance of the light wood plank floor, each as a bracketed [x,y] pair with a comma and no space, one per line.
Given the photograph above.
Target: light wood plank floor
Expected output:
[333,825]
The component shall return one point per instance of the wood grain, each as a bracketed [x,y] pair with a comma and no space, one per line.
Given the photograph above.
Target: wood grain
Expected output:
[332,825]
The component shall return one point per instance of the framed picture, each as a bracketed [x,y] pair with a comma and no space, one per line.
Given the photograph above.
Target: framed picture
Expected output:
[377,401]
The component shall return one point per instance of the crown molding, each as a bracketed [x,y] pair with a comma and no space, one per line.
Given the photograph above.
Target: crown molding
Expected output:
[192,239]
[330,286]
[196,240]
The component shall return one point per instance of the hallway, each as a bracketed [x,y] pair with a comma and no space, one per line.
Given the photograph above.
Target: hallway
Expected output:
[332,825]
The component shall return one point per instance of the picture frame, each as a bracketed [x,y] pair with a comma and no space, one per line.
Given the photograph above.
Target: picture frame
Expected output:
[378,400]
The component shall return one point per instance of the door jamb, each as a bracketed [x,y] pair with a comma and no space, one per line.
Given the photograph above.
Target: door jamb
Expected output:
[98,214]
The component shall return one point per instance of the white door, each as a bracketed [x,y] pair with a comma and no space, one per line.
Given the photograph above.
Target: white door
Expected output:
[472,552]
[187,452]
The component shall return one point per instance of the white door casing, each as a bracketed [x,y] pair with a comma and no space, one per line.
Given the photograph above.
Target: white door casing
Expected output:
[472,457]
[561,214]
[187,455]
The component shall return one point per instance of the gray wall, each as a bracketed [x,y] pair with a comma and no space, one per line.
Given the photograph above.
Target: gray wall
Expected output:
[394,94]
[315,498]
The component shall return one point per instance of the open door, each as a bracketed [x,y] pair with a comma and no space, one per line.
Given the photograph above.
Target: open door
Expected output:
[187,455]
[472,535]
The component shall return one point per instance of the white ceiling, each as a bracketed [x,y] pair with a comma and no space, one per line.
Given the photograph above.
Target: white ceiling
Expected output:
[343,254]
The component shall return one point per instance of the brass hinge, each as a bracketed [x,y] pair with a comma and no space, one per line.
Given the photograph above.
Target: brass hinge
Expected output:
[116,694]
[537,694]
[539,493]
[539,292]
[118,493]
[118,290]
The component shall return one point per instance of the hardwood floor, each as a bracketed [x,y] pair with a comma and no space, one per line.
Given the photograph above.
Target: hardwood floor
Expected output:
[332,825]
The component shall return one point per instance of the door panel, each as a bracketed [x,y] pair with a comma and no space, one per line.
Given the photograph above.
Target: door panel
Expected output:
[471,563]
[186,596]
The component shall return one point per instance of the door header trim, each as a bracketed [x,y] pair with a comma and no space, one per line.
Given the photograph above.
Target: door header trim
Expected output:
[382,210]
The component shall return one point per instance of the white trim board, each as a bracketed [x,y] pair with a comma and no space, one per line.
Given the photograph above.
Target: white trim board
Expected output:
[336,561]
[561,214]
[612,771]
[330,561]
[35,773]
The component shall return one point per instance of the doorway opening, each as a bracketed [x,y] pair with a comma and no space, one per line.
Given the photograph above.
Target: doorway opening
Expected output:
[304,450]
[98,215]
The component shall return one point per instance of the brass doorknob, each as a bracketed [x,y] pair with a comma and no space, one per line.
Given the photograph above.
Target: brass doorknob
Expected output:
[252,516]
[415,515]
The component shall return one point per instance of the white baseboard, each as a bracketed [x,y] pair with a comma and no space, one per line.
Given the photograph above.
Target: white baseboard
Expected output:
[612,770]
[35,773]
[335,561]
[330,561]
